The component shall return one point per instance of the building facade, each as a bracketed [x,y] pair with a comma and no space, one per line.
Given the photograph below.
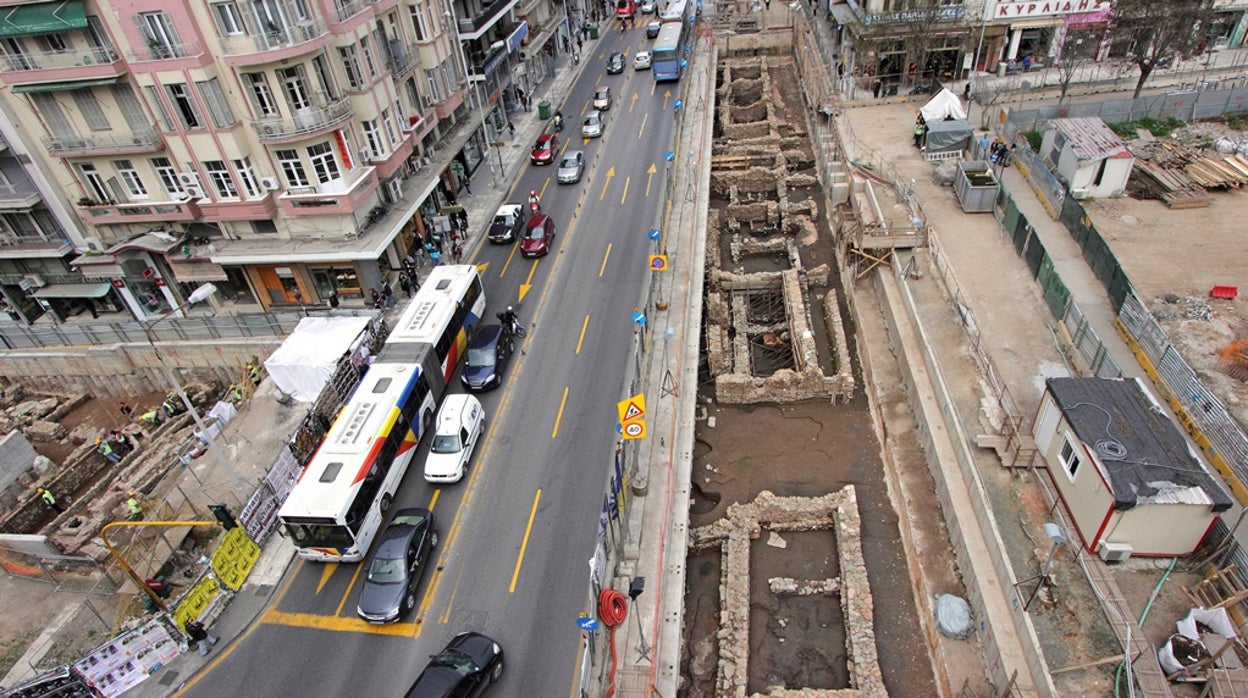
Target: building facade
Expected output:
[289,151]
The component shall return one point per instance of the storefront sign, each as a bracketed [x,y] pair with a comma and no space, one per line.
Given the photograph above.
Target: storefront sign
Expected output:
[940,14]
[519,35]
[1098,17]
[1014,9]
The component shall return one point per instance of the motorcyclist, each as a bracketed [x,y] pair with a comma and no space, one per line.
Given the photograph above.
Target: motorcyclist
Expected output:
[508,318]
[558,120]
[535,201]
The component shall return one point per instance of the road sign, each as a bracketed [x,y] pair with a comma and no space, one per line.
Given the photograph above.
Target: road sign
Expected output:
[669,155]
[632,408]
[658,262]
[679,104]
[586,623]
[635,430]
[639,318]
[655,234]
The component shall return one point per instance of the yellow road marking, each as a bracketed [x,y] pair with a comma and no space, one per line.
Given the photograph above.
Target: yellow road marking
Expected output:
[581,340]
[326,572]
[335,624]
[602,269]
[642,131]
[610,175]
[503,272]
[650,177]
[559,416]
[450,604]
[343,602]
[545,184]
[625,194]
[524,544]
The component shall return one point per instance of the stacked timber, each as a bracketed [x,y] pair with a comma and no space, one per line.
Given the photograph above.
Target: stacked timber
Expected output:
[1180,175]
[1172,186]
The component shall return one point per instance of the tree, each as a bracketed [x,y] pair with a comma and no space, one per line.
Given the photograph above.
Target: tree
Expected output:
[1067,67]
[1155,30]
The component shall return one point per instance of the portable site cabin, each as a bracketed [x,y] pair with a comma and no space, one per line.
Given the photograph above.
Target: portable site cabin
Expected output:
[1124,472]
[1090,157]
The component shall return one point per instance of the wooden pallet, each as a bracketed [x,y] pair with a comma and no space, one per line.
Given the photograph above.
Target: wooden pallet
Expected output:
[1222,589]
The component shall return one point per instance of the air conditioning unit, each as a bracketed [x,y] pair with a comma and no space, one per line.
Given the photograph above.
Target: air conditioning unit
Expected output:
[1079,194]
[94,244]
[194,192]
[191,179]
[181,196]
[30,281]
[1115,552]
[270,183]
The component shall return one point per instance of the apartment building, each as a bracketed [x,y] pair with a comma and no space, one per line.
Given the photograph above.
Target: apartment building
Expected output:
[288,151]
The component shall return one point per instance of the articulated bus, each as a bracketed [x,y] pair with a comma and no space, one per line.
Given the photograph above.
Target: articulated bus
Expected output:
[340,500]
[676,11]
[669,52]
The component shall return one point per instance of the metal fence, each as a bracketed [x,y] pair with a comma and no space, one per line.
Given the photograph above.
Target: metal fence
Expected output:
[1187,103]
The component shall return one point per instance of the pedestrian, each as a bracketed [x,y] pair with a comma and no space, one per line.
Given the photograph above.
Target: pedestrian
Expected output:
[984,143]
[197,633]
[50,500]
[528,102]
[1027,63]
[235,393]
[579,44]
[919,130]
[875,89]
[1007,156]
[152,417]
[415,280]
[253,373]
[966,92]
[405,284]
[136,509]
[333,300]
[435,258]
[376,296]
[767,3]
[463,220]
[511,129]
[457,252]
[409,262]
[107,451]
[126,410]
[119,442]
[468,186]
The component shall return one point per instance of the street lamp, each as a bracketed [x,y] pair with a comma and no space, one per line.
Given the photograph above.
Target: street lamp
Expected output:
[199,295]
[1058,537]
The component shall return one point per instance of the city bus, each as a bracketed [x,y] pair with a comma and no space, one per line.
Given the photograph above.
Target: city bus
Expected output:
[341,497]
[676,11]
[668,53]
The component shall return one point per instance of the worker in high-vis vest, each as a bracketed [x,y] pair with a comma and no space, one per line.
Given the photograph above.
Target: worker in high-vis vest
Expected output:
[50,499]
[136,509]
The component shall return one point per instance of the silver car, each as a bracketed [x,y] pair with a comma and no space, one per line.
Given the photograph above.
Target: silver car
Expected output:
[571,167]
[592,126]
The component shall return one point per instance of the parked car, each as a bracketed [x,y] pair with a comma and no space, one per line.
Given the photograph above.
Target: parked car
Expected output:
[508,222]
[544,149]
[458,429]
[648,7]
[537,236]
[615,63]
[571,167]
[641,61]
[591,127]
[489,352]
[470,663]
[602,98]
[652,29]
[394,572]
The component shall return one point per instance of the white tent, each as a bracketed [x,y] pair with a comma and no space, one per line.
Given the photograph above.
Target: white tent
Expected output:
[944,105]
[310,355]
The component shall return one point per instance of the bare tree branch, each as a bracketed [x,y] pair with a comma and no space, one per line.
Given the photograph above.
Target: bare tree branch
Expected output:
[1155,31]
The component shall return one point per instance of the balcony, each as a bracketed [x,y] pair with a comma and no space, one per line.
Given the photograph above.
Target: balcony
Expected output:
[150,212]
[164,52]
[326,201]
[238,210]
[477,25]
[96,144]
[258,44]
[403,58]
[350,8]
[19,197]
[306,122]
[99,62]
[54,244]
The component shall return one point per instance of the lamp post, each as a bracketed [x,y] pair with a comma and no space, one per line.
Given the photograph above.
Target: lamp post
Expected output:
[1058,536]
[197,296]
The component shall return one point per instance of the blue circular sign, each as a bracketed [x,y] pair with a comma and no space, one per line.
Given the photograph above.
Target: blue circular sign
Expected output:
[669,155]
[654,234]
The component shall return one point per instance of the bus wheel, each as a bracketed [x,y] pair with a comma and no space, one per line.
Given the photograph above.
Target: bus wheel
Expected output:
[426,422]
[385,503]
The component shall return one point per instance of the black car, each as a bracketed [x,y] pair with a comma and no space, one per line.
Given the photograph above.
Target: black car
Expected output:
[508,221]
[469,663]
[615,63]
[389,591]
[652,29]
[488,354]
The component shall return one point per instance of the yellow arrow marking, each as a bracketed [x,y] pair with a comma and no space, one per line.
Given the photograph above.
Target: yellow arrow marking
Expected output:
[649,177]
[525,543]
[666,95]
[610,174]
[581,339]
[528,283]
[481,267]
[606,256]
[625,194]
[585,141]
[632,102]
[644,118]
[326,572]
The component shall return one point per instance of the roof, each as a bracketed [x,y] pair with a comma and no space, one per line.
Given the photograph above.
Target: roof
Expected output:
[508,209]
[1142,453]
[1090,139]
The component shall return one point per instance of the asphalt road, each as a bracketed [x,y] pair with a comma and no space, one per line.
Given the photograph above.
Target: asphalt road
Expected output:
[518,533]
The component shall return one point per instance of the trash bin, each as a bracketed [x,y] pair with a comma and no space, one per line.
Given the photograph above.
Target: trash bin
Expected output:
[543,109]
[593,31]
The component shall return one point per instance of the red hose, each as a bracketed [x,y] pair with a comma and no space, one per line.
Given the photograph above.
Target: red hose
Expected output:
[612,609]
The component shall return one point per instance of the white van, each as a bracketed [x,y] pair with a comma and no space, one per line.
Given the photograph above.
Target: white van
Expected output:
[459,426]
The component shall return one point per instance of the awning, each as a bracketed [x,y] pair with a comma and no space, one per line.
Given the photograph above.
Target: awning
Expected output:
[64,85]
[42,18]
[1037,23]
[73,290]
[843,14]
[197,271]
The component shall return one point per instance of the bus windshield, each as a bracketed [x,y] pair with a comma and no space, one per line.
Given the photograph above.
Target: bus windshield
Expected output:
[307,535]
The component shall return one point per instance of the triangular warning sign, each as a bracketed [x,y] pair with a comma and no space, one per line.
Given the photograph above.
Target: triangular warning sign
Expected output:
[632,408]
[632,411]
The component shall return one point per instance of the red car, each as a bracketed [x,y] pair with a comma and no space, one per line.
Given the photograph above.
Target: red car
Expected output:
[537,236]
[545,149]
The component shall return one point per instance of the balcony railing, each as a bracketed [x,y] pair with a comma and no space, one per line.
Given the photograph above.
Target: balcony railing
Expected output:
[164,52]
[19,196]
[135,141]
[44,60]
[158,212]
[404,58]
[273,36]
[306,121]
[53,240]
[482,19]
[350,8]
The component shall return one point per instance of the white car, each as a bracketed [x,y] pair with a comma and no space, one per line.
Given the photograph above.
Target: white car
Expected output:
[648,7]
[641,61]
[592,126]
[459,426]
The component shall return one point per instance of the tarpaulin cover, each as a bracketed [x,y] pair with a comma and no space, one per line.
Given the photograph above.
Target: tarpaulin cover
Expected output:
[310,355]
[945,104]
[943,136]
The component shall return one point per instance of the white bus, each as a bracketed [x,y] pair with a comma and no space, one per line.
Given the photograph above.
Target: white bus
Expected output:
[335,508]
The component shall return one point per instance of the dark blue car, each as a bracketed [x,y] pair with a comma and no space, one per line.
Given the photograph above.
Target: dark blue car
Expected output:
[488,354]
